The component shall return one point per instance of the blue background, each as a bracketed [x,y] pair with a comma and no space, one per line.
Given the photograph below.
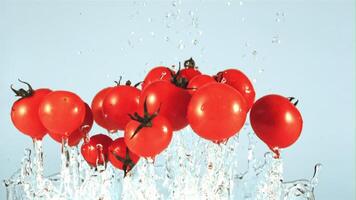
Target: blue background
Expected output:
[295,48]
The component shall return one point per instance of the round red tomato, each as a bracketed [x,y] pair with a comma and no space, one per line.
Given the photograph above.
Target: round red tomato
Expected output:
[199,81]
[24,112]
[157,73]
[216,112]
[238,80]
[171,100]
[189,73]
[148,141]
[276,121]
[97,108]
[120,156]
[62,112]
[95,151]
[75,137]
[120,101]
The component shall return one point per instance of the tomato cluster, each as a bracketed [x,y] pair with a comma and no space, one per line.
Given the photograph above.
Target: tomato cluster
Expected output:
[215,107]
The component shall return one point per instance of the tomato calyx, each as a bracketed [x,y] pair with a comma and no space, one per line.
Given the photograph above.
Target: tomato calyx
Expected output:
[127,83]
[145,120]
[177,80]
[190,63]
[22,92]
[128,163]
[291,99]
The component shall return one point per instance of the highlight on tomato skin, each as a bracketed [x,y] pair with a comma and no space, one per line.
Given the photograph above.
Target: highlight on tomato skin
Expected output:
[276,121]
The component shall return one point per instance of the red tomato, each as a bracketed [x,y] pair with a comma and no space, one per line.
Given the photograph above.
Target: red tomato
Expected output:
[199,81]
[97,108]
[171,100]
[75,137]
[189,73]
[216,112]
[120,101]
[95,151]
[157,73]
[24,112]
[276,121]
[149,141]
[126,159]
[240,82]
[62,112]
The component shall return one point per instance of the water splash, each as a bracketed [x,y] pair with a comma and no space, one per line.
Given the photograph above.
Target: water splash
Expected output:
[191,168]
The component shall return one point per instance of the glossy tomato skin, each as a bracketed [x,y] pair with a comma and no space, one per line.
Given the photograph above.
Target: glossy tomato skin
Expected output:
[189,73]
[97,108]
[216,112]
[238,80]
[75,137]
[62,112]
[121,101]
[118,147]
[96,149]
[149,141]
[171,100]
[199,81]
[24,114]
[276,121]
[156,74]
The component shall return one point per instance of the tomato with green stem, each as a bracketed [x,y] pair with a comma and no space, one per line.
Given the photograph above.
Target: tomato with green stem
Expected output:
[24,111]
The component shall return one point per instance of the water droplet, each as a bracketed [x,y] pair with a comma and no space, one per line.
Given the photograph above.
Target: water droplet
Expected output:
[228,3]
[275,39]
[181,45]
[254,52]
[254,80]
[166,38]
[79,52]
[132,33]
[241,3]
[243,19]
[261,70]
[149,20]
[152,33]
[195,41]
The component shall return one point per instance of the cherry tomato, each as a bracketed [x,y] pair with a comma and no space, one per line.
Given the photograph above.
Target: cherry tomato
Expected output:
[149,141]
[75,137]
[120,101]
[95,151]
[98,114]
[276,121]
[199,81]
[157,73]
[24,112]
[126,159]
[171,100]
[216,112]
[62,112]
[238,80]
[189,73]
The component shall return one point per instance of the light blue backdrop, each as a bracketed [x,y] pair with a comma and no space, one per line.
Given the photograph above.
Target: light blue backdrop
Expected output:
[304,49]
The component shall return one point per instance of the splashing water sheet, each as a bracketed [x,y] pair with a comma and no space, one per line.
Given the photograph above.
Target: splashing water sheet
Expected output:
[207,171]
